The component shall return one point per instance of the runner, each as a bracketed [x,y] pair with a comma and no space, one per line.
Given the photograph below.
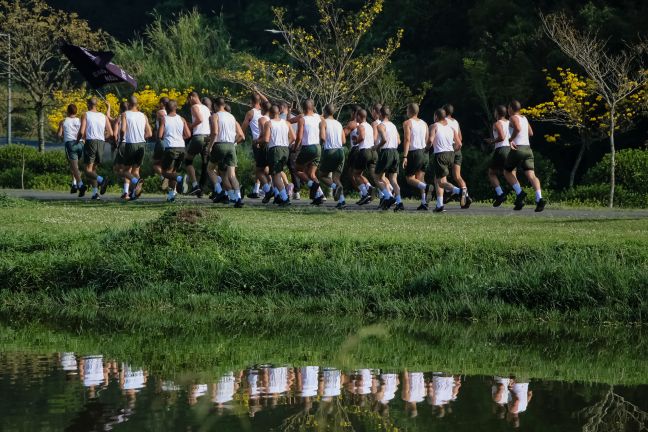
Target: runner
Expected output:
[158,150]
[519,398]
[351,130]
[415,155]
[251,121]
[279,136]
[95,129]
[365,140]
[502,148]
[444,140]
[462,189]
[332,135]
[413,391]
[135,130]
[521,155]
[116,123]
[371,169]
[309,150]
[226,132]
[287,114]
[68,131]
[172,133]
[387,166]
[200,115]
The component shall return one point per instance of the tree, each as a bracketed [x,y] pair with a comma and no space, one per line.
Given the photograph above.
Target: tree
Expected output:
[615,76]
[575,105]
[37,31]
[326,63]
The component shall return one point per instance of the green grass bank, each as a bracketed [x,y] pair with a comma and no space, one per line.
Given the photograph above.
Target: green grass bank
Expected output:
[132,258]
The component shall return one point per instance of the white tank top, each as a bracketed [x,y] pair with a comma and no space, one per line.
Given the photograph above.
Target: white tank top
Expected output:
[417,388]
[378,138]
[443,386]
[368,141]
[418,129]
[521,392]
[173,131]
[504,397]
[71,127]
[522,137]
[310,381]
[392,135]
[333,134]
[254,124]
[311,130]
[332,382]
[507,134]
[226,127]
[388,387]
[278,133]
[444,138]
[135,127]
[203,127]
[95,126]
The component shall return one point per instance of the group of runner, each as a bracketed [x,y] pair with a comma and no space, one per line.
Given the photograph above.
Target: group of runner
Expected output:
[309,145]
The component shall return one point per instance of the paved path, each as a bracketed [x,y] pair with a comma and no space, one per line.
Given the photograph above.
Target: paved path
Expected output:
[452,208]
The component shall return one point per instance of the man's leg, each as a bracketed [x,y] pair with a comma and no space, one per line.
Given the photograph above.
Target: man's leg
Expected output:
[535,183]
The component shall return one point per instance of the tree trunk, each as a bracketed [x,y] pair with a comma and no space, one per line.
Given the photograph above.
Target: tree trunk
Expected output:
[612,158]
[40,115]
[585,143]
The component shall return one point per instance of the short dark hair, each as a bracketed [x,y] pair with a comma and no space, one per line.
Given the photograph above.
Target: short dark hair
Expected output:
[413,108]
[385,111]
[376,107]
[515,105]
[194,94]
[206,101]
[123,107]
[164,100]
[132,101]
[171,105]
[449,109]
[220,102]
[500,110]
[72,109]
[362,113]
[329,109]
[308,104]
[440,114]
[228,108]
[92,102]
[265,106]
[274,110]
[255,98]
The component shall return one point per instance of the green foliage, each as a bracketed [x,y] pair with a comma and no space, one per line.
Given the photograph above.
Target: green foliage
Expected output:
[11,156]
[596,195]
[631,170]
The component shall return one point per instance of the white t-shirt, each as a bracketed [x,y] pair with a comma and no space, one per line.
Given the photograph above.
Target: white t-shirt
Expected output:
[365,382]
[68,362]
[520,391]
[198,390]
[332,382]
[334,131]
[203,127]
[254,124]
[444,138]
[278,382]
[135,127]
[310,383]
[133,379]
[279,136]
[225,389]
[93,371]
[417,387]
[392,135]
[226,127]
[368,141]
[507,134]
[173,131]
[388,387]
[522,137]
[442,386]
[95,126]
[311,130]
[71,127]
[418,131]
[253,383]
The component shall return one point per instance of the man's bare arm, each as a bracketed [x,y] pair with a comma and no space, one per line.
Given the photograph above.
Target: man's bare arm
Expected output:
[195,113]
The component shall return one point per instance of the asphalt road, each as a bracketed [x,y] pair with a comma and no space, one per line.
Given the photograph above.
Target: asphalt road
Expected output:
[452,209]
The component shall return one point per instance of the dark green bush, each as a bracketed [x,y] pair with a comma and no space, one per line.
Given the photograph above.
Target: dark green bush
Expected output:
[631,171]
[11,156]
[599,194]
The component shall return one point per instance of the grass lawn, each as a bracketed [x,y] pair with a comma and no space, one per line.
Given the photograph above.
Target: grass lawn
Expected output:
[85,256]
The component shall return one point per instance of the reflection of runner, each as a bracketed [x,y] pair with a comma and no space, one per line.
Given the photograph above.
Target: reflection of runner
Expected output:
[413,391]
[388,387]
[500,390]
[308,381]
[132,379]
[331,384]
[197,391]
[224,389]
[519,398]
[69,362]
[93,373]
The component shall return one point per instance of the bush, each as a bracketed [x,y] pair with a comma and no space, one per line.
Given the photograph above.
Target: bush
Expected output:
[11,156]
[631,171]
[599,194]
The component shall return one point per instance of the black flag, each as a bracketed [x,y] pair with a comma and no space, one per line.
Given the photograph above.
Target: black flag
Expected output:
[96,67]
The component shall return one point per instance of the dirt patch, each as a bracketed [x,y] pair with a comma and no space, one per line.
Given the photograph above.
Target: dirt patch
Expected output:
[189,216]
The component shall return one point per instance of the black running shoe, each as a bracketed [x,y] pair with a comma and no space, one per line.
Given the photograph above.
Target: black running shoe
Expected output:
[317,201]
[170,198]
[498,200]
[387,203]
[125,197]
[519,201]
[399,207]
[138,188]
[467,202]
[104,186]
[540,205]
[448,198]
[179,187]
[341,205]
[74,189]
[213,195]
[96,197]
[312,191]
[367,199]
[266,199]
[337,192]
[253,195]
[196,191]
[370,190]
[439,209]
[219,197]
[422,207]
[238,203]
[283,203]
[82,191]
[359,202]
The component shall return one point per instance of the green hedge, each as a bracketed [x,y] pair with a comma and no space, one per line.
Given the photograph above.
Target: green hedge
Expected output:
[631,171]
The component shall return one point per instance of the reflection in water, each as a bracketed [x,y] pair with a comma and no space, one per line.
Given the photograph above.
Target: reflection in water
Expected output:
[99,393]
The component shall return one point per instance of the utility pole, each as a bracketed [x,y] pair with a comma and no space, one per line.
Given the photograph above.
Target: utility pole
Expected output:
[9,107]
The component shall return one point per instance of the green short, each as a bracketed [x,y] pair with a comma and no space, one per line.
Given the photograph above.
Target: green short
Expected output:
[458,157]
[158,151]
[353,154]
[278,158]
[73,150]
[260,156]
[498,158]
[224,155]
[130,154]
[364,158]
[417,160]
[93,151]
[173,158]
[387,161]
[332,161]
[197,145]
[522,157]
[442,164]
[309,154]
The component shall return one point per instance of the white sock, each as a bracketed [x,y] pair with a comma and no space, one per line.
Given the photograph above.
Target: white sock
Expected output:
[95,190]
[439,201]
[363,190]
[126,188]
[456,190]
[179,179]
[499,191]
[219,179]
[194,184]
[283,194]
[538,195]
[517,188]
[256,188]
[266,188]
[333,186]
[237,192]
[421,186]
[309,183]
[276,191]
[99,179]
[341,198]
[81,183]
[319,193]
[386,193]
[74,182]
[423,198]
[217,188]
[398,199]
[368,185]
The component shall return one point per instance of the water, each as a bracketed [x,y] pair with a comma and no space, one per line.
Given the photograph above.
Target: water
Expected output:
[69,391]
